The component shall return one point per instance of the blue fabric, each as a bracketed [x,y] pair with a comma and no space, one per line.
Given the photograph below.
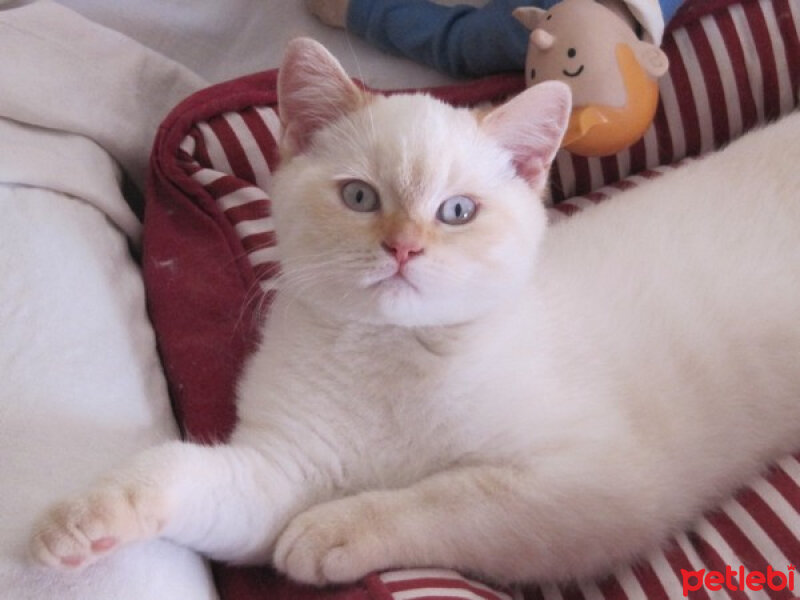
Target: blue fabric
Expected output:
[463,41]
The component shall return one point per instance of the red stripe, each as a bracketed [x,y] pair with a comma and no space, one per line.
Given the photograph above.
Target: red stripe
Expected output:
[751,557]
[227,184]
[791,43]
[232,147]
[267,144]
[567,209]
[611,589]
[624,184]
[766,58]
[650,174]
[650,582]
[690,124]
[596,197]
[610,168]
[638,154]
[259,241]
[572,592]
[556,186]
[772,525]
[733,46]
[781,481]
[267,270]
[678,561]
[533,593]
[248,212]
[583,177]
[666,152]
[713,82]
[713,562]
[200,148]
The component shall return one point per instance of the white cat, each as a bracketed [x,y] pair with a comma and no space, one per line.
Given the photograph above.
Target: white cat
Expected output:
[444,382]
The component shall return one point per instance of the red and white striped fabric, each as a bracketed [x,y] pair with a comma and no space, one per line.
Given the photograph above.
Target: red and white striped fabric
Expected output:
[732,68]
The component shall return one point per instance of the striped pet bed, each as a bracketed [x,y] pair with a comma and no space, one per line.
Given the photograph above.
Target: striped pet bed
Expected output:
[209,264]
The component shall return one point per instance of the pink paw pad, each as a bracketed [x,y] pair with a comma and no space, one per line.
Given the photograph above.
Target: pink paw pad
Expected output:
[104,544]
[72,561]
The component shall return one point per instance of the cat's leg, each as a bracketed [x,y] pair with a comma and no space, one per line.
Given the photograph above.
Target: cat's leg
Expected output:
[224,501]
[507,523]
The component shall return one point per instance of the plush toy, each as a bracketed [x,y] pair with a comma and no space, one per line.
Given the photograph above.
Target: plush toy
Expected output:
[605,50]
[612,73]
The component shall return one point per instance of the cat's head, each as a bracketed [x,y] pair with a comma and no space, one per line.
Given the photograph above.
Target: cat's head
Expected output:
[402,209]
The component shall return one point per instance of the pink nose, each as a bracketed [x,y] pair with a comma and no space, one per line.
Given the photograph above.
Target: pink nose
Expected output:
[402,251]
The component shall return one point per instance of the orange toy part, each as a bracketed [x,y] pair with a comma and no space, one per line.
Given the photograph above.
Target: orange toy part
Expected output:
[596,130]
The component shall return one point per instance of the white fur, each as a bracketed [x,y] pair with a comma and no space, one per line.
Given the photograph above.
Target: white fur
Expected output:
[540,404]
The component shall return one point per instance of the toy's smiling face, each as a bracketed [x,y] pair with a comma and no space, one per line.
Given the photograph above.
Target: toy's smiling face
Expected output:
[576,42]
[572,53]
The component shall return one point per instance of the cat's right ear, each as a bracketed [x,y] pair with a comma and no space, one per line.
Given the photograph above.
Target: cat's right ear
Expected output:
[313,91]
[531,126]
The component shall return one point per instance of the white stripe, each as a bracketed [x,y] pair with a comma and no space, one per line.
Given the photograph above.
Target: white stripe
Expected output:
[754,75]
[697,564]
[727,76]
[252,227]
[651,158]
[792,468]
[779,53]
[408,574]
[674,121]
[566,173]
[215,152]
[590,590]
[207,176]
[255,157]
[713,538]
[551,592]
[699,90]
[669,579]
[582,202]
[240,197]
[411,574]
[188,145]
[630,584]
[263,255]
[624,163]
[779,505]
[756,534]
[269,285]
[794,9]
[271,120]
[439,593]
[595,173]
[556,216]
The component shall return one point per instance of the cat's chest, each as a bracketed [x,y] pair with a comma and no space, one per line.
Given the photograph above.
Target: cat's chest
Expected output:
[391,406]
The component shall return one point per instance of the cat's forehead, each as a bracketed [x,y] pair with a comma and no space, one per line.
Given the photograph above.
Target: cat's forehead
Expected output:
[416,146]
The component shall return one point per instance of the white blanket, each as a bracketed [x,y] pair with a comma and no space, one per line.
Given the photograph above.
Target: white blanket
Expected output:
[82,387]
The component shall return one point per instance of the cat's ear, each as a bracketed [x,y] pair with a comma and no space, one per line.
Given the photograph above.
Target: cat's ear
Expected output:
[531,126]
[313,91]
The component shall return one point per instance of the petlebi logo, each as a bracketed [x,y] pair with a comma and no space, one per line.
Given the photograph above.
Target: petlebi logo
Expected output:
[735,580]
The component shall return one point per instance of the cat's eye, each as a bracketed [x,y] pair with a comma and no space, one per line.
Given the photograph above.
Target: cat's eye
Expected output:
[360,196]
[457,210]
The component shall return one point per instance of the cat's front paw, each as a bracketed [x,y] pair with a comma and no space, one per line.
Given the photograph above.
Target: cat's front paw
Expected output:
[335,542]
[76,533]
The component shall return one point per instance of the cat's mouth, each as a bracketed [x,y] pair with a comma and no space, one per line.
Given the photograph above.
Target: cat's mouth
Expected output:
[395,280]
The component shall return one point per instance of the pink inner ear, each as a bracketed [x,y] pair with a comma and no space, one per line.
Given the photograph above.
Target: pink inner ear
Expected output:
[531,126]
[313,91]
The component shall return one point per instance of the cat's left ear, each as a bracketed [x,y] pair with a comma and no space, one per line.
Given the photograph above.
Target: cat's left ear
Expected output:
[531,126]
[313,91]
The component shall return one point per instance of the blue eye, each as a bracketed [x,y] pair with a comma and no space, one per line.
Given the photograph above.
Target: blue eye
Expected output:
[360,196]
[457,210]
